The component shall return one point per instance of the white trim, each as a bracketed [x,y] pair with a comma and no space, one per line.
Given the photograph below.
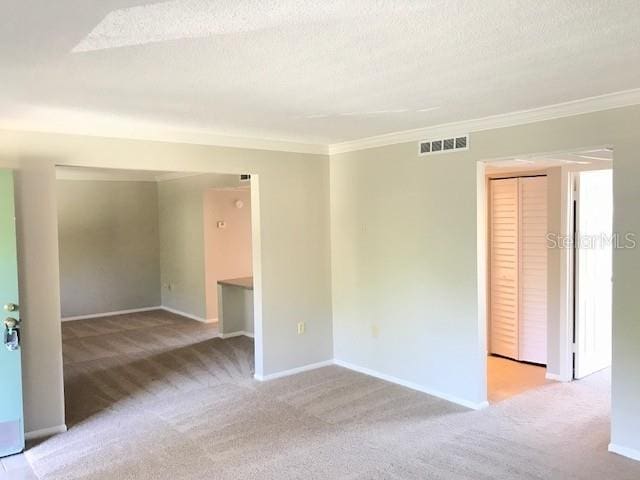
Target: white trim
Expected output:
[188,315]
[69,122]
[412,386]
[165,177]
[555,377]
[241,333]
[256,260]
[109,314]
[65,172]
[482,252]
[567,273]
[373,373]
[631,453]
[45,432]
[566,109]
[293,371]
[100,125]
[138,310]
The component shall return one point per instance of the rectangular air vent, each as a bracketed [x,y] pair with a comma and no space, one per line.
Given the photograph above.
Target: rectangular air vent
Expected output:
[443,145]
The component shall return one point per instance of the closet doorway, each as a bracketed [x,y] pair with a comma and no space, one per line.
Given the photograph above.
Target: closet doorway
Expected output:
[548,299]
[517,217]
[518,268]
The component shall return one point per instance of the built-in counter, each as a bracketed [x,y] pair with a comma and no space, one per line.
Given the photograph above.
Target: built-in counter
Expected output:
[235,306]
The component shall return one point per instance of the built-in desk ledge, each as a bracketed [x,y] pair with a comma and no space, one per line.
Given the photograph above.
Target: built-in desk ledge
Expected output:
[244,282]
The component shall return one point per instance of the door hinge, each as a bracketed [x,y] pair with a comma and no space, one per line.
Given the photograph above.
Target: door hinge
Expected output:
[574,348]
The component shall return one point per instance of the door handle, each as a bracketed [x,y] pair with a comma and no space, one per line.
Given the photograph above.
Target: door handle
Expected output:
[10,307]
[11,333]
[10,323]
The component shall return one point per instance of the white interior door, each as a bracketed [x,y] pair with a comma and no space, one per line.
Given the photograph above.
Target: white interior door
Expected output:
[503,306]
[11,417]
[594,221]
[532,337]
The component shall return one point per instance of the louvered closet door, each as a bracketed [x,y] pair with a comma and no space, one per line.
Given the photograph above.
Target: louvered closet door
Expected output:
[504,267]
[533,270]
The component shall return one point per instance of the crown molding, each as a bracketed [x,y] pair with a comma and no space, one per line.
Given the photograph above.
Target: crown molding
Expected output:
[119,175]
[575,107]
[165,177]
[72,122]
[103,175]
[99,125]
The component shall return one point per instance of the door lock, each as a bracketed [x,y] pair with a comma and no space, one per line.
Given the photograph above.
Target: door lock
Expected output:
[11,333]
[10,307]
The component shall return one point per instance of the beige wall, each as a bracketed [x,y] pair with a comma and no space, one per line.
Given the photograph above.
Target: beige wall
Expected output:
[110,234]
[227,251]
[236,310]
[404,257]
[404,253]
[182,252]
[294,247]
[108,239]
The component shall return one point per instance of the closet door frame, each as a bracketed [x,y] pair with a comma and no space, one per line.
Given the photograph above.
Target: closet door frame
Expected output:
[490,273]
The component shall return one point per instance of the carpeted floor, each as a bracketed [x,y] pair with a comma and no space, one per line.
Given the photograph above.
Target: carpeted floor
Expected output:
[155,396]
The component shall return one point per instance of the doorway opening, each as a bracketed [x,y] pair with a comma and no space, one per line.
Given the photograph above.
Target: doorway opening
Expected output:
[547,228]
[149,260]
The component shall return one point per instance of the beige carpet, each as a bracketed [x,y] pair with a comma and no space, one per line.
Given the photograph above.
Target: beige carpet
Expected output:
[155,396]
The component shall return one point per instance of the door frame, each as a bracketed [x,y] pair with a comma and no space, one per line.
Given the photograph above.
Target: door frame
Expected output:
[489,178]
[564,367]
[574,202]
[256,247]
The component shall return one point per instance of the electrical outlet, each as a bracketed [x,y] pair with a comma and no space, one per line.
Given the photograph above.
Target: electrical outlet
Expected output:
[300,328]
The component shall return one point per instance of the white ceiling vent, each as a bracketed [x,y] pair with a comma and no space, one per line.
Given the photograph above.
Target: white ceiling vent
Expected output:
[444,145]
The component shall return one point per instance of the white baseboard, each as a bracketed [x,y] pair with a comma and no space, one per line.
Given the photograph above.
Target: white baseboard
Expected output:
[412,386]
[241,333]
[138,310]
[559,377]
[188,315]
[109,314]
[631,453]
[373,373]
[45,432]
[293,371]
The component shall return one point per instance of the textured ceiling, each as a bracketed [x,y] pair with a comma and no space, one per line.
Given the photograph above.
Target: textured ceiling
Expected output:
[308,71]
[600,158]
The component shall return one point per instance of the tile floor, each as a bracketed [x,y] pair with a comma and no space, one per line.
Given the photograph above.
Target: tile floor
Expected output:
[507,378]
